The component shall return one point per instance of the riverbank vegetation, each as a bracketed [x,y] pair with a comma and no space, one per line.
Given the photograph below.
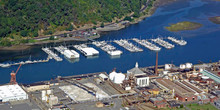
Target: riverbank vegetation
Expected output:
[33,18]
[215,20]
[185,25]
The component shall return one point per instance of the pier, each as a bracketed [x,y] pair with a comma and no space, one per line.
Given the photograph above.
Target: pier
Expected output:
[52,54]
[147,44]
[111,50]
[128,46]
[163,43]
[24,62]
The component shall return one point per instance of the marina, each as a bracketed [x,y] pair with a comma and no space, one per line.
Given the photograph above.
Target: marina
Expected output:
[52,54]
[85,50]
[128,46]
[147,44]
[163,43]
[179,42]
[111,50]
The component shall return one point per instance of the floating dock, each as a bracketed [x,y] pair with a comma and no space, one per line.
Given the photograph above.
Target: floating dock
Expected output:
[111,50]
[87,51]
[147,44]
[179,42]
[128,46]
[52,54]
[163,43]
[24,62]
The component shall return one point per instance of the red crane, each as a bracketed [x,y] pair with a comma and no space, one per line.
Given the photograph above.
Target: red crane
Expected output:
[13,76]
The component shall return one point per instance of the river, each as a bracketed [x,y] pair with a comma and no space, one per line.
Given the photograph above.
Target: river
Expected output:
[203,45]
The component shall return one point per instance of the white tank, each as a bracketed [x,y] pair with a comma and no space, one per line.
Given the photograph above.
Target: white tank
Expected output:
[168,66]
[165,72]
[119,78]
[182,66]
[112,75]
[189,65]
[49,92]
[205,77]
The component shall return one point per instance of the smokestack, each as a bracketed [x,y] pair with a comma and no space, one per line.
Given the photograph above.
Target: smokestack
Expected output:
[156,66]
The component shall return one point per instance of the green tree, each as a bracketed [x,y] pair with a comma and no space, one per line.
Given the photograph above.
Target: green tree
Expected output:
[51,38]
[65,34]
[35,34]
[5,42]
[24,33]
[102,25]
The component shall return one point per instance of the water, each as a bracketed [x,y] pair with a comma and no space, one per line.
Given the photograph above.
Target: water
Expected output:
[202,45]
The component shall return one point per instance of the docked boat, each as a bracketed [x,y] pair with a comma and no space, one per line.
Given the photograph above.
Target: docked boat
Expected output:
[5,65]
[147,44]
[179,42]
[115,53]
[163,43]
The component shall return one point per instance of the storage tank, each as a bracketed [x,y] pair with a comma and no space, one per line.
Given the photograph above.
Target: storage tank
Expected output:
[49,92]
[165,72]
[168,66]
[182,66]
[112,75]
[189,65]
[119,78]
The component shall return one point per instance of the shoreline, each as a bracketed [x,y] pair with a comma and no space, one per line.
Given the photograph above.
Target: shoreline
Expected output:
[156,4]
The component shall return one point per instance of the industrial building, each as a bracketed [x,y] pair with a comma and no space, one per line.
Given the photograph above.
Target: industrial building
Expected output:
[12,93]
[181,91]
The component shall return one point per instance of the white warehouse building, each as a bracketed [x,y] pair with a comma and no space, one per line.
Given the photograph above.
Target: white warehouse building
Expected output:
[12,93]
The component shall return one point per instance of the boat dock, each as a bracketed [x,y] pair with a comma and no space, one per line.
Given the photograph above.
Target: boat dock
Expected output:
[61,49]
[24,62]
[147,44]
[163,43]
[111,50]
[179,42]
[52,54]
[85,50]
[128,46]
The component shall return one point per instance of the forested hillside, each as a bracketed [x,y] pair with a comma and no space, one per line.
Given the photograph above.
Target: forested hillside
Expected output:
[27,17]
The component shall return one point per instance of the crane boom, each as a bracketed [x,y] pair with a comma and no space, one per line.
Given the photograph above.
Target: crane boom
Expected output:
[18,69]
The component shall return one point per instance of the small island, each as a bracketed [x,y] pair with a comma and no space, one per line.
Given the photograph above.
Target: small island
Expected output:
[185,25]
[215,20]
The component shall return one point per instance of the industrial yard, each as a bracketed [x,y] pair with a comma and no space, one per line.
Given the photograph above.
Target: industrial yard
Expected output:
[160,86]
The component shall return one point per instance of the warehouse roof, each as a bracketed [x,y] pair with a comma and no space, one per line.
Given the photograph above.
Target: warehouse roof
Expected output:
[11,91]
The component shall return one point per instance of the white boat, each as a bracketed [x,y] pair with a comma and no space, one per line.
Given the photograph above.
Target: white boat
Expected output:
[115,53]
[5,65]
[180,42]
[147,44]
[163,43]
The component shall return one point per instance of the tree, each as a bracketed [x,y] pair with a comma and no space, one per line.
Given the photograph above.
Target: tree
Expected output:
[24,33]
[35,34]
[94,27]
[5,42]
[51,38]
[65,34]
[102,25]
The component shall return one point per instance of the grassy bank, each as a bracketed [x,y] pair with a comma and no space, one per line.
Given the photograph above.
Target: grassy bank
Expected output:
[185,25]
[215,20]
